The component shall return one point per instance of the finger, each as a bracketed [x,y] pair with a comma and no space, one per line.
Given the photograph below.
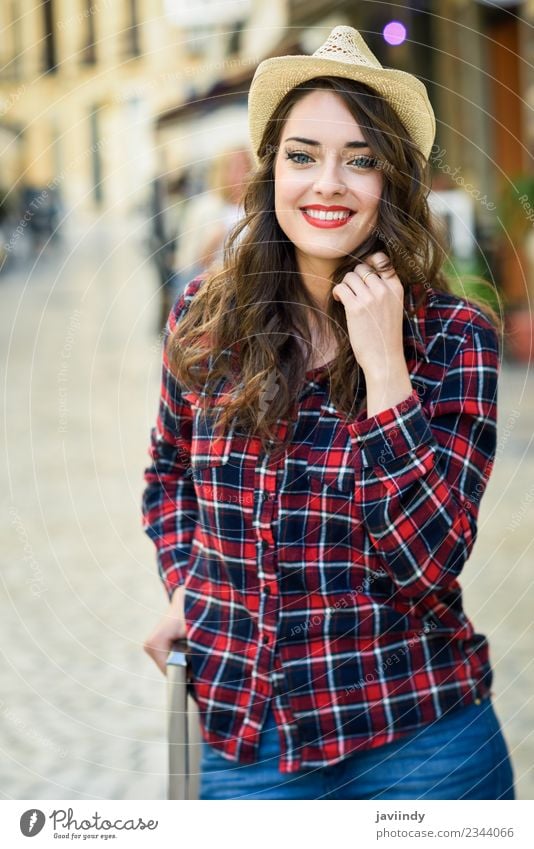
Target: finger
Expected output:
[158,653]
[367,274]
[382,264]
[351,287]
[342,292]
[161,661]
[388,276]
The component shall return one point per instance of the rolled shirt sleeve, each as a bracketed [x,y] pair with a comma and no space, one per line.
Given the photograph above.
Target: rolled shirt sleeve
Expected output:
[421,475]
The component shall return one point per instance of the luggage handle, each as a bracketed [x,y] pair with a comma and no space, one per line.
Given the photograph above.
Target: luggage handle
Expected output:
[184,733]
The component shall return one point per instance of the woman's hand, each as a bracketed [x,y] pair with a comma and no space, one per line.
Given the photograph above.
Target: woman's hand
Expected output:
[170,628]
[374,311]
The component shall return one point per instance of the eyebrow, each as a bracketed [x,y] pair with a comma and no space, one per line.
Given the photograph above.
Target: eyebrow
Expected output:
[352,144]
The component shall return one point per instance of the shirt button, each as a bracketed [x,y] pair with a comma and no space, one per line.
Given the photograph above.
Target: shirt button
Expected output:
[266,638]
[267,590]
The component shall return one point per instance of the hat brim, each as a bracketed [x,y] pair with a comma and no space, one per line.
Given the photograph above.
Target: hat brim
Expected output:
[276,76]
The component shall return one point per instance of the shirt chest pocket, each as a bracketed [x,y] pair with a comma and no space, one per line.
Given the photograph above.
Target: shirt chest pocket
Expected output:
[330,458]
[222,464]
[209,449]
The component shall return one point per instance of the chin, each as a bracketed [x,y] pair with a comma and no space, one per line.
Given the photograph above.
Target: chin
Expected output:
[312,252]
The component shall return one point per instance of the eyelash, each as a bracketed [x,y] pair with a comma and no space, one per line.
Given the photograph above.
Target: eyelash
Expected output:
[370,161]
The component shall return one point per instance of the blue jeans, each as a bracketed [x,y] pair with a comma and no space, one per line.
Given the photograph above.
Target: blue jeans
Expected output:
[463,755]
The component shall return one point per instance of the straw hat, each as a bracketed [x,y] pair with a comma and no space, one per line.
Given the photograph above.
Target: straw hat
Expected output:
[343,54]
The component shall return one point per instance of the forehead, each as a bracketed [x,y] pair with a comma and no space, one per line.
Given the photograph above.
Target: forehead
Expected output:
[322,115]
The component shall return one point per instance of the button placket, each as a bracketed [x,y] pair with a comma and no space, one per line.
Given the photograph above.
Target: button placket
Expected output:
[267,497]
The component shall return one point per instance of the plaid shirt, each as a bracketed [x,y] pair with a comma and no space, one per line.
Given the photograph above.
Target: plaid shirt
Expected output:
[327,581]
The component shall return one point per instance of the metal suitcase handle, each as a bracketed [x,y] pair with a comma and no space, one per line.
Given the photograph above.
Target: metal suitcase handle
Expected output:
[184,734]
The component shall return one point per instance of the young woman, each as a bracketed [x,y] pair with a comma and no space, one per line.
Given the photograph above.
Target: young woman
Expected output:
[326,430]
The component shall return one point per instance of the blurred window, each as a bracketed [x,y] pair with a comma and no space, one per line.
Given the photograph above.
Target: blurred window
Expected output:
[133,46]
[88,52]
[49,45]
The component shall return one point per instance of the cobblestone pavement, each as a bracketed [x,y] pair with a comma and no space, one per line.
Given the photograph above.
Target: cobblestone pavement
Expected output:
[82,708]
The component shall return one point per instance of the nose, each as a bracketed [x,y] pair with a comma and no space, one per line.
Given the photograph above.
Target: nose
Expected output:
[328,181]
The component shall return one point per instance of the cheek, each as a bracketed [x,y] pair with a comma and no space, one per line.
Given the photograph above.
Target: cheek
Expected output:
[284,199]
[288,187]
[279,189]
[279,203]
[377,190]
[372,200]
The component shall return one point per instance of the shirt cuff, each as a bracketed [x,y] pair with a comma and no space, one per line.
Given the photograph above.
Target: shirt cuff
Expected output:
[392,432]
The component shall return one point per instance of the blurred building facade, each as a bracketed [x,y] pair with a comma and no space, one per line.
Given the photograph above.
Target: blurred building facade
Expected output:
[81,82]
[102,96]
[483,63]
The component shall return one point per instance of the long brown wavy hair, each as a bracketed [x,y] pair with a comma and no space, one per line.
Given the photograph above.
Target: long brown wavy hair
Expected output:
[250,309]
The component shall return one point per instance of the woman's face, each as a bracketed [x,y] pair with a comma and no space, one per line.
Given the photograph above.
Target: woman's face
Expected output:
[329,170]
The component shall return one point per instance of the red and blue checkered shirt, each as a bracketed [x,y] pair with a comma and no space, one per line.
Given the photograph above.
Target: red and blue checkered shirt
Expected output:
[327,581]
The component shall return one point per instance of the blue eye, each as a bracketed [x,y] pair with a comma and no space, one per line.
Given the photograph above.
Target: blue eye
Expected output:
[360,161]
[366,161]
[294,155]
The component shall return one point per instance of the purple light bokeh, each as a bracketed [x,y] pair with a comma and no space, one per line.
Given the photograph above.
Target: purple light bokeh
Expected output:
[394,32]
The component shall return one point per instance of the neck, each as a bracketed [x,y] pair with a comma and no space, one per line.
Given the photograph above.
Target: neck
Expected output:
[318,282]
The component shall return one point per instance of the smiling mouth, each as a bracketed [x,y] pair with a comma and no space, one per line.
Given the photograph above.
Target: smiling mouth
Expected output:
[322,218]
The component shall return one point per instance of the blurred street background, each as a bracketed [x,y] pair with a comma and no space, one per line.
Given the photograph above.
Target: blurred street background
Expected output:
[124,147]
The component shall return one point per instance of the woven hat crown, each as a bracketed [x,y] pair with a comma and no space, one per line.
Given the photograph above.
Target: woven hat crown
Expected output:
[344,54]
[345,44]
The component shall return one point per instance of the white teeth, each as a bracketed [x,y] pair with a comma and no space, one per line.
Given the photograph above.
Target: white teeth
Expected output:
[326,216]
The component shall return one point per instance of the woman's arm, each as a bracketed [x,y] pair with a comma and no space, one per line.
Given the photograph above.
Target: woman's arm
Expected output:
[420,478]
[169,504]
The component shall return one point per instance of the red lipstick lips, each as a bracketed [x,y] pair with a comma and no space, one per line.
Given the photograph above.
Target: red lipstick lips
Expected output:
[326,223]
